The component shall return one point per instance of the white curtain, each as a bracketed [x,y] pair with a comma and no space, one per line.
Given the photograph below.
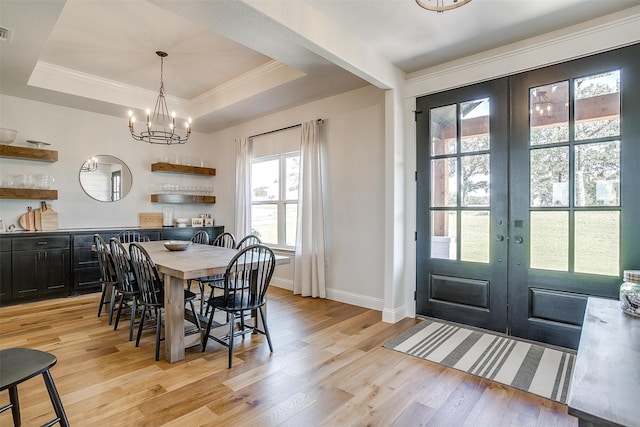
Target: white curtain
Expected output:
[243,187]
[309,274]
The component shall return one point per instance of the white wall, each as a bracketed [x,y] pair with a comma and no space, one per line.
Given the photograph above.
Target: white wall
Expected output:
[353,137]
[78,135]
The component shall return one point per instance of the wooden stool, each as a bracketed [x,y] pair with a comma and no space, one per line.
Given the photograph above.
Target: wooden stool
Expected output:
[20,364]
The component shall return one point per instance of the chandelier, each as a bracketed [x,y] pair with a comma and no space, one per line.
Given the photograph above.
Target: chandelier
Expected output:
[441,5]
[540,103]
[90,165]
[160,128]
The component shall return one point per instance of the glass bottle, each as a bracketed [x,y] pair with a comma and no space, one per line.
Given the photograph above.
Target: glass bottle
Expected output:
[630,292]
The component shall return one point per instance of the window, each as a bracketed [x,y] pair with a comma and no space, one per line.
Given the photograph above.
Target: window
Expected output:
[575,174]
[274,198]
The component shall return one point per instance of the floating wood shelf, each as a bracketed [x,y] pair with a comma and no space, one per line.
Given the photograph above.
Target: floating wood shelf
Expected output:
[28,193]
[28,153]
[170,167]
[181,198]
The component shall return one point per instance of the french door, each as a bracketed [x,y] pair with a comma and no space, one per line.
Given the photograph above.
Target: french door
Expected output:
[462,205]
[521,218]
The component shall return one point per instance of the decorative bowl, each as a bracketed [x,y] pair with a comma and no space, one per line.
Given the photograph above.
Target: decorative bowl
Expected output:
[182,222]
[7,136]
[177,245]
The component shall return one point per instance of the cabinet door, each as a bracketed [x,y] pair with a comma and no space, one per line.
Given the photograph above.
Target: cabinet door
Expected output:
[5,276]
[54,269]
[24,266]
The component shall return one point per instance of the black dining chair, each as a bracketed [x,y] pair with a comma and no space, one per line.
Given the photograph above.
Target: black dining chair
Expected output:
[128,292]
[107,275]
[152,293]
[128,236]
[201,237]
[246,280]
[248,240]
[223,240]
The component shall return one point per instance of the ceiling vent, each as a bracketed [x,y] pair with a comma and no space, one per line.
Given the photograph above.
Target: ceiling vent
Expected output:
[5,34]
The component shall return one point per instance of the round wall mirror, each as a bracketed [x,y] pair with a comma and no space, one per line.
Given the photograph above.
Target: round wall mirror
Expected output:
[105,178]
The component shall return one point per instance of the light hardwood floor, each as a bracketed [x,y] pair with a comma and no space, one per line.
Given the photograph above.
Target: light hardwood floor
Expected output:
[328,368]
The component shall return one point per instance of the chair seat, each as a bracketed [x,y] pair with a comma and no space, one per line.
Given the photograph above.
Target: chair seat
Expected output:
[20,364]
[240,302]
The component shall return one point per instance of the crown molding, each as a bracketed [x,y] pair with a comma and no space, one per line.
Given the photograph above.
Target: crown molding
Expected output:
[60,79]
[598,35]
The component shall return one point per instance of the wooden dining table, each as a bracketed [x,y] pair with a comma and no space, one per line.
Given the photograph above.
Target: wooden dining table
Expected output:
[177,267]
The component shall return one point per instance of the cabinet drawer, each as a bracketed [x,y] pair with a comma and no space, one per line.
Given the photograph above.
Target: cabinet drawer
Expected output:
[86,240]
[5,245]
[85,257]
[40,243]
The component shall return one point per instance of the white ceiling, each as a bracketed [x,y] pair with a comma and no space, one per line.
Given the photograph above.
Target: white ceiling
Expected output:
[230,61]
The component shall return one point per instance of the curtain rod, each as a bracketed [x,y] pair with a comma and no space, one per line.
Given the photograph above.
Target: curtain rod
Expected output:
[281,129]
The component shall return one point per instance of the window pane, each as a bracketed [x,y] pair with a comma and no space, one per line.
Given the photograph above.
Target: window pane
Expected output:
[444,182]
[549,169]
[597,245]
[443,234]
[443,130]
[475,176]
[597,174]
[550,240]
[549,113]
[291,219]
[292,173]
[597,106]
[474,125]
[474,236]
[265,180]
[264,222]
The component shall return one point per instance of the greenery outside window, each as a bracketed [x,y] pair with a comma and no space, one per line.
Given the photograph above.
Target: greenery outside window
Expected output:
[274,198]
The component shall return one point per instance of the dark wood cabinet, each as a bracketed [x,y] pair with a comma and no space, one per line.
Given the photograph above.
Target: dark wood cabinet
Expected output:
[5,270]
[86,272]
[40,266]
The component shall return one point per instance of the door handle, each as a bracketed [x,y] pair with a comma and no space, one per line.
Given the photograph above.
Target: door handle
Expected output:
[518,239]
[499,238]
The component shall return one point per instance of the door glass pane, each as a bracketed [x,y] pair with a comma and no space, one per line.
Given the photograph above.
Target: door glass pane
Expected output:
[291,215]
[444,182]
[264,222]
[550,240]
[549,113]
[474,125]
[265,180]
[292,173]
[474,236]
[597,106]
[475,175]
[597,242]
[443,130]
[597,174]
[549,170]
[443,234]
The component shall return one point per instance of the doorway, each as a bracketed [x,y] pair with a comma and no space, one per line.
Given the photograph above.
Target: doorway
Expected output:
[525,200]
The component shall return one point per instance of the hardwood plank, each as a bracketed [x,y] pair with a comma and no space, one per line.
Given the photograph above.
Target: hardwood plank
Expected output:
[328,368]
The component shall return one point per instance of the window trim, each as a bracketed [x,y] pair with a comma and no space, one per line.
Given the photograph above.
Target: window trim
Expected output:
[280,203]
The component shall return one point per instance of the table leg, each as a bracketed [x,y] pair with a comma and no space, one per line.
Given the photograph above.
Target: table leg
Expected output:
[174,319]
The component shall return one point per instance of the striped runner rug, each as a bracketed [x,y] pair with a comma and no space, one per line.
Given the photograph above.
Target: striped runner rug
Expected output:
[530,367]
